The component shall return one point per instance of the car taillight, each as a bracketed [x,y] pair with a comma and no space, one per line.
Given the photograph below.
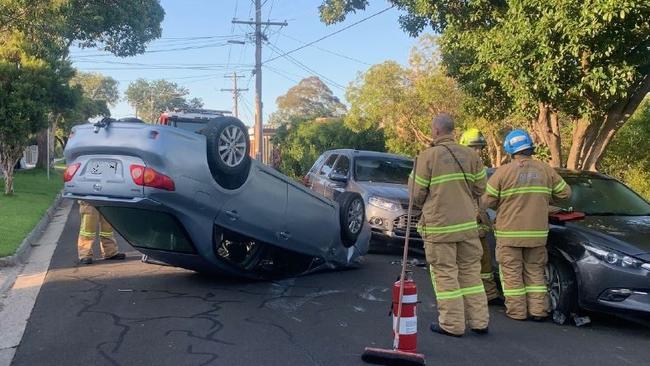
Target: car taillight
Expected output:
[70,171]
[148,177]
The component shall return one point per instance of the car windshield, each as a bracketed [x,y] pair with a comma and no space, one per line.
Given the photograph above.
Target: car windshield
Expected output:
[382,170]
[598,196]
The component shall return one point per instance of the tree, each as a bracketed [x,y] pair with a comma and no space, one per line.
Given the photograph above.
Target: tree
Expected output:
[586,60]
[29,87]
[628,155]
[302,141]
[97,94]
[309,99]
[150,98]
[123,28]
[403,100]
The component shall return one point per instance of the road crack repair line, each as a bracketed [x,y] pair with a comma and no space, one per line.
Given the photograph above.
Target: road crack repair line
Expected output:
[210,316]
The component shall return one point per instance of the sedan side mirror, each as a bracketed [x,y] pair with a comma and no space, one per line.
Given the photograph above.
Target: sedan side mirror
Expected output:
[338,177]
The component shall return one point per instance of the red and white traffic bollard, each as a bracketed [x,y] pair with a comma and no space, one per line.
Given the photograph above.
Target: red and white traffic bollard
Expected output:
[408,327]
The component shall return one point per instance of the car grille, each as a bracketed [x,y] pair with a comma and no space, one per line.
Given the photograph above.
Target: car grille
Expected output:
[399,224]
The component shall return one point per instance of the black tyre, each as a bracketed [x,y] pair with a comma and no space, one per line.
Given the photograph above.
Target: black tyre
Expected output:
[352,215]
[228,149]
[562,285]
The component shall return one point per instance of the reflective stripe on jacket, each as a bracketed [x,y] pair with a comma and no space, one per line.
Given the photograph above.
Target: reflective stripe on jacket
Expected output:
[520,192]
[446,194]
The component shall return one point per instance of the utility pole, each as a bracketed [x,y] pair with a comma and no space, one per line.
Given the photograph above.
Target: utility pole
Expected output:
[235,92]
[259,37]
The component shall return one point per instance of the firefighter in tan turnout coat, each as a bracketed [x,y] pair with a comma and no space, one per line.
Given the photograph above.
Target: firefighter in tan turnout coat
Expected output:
[474,139]
[447,180]
[520,192]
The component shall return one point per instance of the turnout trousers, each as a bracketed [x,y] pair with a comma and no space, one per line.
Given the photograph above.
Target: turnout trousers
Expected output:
[487,274]
[522,279]
[456,276]
[91,220]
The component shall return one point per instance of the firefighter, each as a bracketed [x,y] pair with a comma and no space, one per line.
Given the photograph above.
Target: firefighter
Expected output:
[91,220]
[520,192]
[446,183]
[474,139]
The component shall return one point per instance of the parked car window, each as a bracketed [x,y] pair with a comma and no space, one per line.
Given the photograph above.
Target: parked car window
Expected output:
[382,170]
[342,166]
[597,196]
[329,163]
[317,164]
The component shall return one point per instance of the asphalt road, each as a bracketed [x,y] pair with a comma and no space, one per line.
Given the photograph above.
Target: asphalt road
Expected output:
[130,313]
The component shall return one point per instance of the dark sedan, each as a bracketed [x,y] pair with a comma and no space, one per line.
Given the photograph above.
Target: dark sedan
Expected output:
[602,262]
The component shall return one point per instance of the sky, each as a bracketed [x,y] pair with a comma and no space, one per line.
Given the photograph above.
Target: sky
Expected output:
[194,51]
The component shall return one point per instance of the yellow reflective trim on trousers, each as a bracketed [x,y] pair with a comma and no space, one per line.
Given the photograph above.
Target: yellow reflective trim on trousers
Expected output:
[515,292]
[538,289]
[559,187]
[491,191]
[487,276]
[454,294]
[447,295]
[107,234]
[521,234]
[511,292]
[448,229]
[466,291]
[86,233]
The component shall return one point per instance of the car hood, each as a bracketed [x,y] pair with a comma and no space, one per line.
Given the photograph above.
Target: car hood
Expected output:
[397,192]
[629,234]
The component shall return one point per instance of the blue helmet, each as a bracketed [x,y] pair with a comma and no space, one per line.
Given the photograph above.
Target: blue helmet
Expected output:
[517,141]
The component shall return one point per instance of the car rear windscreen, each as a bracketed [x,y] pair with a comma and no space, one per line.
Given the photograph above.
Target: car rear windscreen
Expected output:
[149,229]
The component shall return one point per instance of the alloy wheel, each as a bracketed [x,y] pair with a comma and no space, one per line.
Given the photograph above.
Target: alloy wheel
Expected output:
[232,146]
[554,285]
[355,216]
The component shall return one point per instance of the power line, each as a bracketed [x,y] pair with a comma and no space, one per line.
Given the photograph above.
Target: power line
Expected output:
[326,50]
[331,34]
[305,67]
[186,48]
[278,72]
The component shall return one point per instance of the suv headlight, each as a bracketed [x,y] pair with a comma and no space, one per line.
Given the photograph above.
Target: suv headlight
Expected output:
[384,203]
[616,258]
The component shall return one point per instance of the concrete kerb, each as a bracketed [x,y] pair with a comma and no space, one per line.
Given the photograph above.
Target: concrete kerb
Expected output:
[26,246]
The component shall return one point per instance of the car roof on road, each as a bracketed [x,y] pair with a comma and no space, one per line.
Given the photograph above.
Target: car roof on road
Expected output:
[366,153]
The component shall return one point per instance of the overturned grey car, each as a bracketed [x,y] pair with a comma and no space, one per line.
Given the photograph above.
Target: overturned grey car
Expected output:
[197,200]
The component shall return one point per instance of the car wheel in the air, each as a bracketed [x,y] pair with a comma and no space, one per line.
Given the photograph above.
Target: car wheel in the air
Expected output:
[228,149]
[352,215]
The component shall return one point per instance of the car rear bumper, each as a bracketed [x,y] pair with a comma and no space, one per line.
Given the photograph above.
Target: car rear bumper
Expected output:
[610,288]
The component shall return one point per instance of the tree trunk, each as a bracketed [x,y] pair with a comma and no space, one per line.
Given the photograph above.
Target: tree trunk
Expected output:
[612,122]
[555,140]
[41,141]
[579,134]
[9,155]
[546,131]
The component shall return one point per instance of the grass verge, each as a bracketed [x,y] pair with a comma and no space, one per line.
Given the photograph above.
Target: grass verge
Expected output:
[33,195]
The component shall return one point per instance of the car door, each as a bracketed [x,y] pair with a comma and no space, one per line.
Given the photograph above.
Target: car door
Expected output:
[320,179]
[259,211]
[312,225]
[333,187]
